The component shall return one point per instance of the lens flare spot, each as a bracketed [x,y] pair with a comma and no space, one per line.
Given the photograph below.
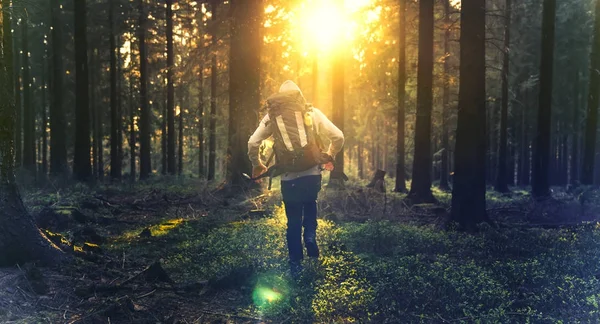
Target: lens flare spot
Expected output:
[270,290]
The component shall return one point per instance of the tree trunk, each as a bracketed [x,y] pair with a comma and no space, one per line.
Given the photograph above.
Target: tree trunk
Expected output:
[575,134]
[564,158]
[400,148]
[502,175]
[163,142]
[97,112]
[145,118]
[212,146]
[170,92]
[360,159]
[524,154]
[58,124]
[589,151]
[446,100]
[121,121]
[115,118]
[20,240]
[201,166]
[132,169]
[81,162]
[493,141]
[420,191]
[95,115]
[244,85]
[468,194]
[541,158]
[18,101]
[180,142]
[44,116]
[28,112]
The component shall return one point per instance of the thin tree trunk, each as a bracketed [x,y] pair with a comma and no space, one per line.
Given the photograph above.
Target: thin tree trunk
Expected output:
[445,100]
[115,118]
[180,150]
[44,116]
[95,115]
[58,124]
[564,158]
[541,158]
[145,118]
[163,142]
[170,92]
[28,111]
[468,194]
[575,133]
[400,148]
[501,179]
[98,117]
[19,106]
[201,166]
[420,190]
[212,146]
[132,169]
[81,162]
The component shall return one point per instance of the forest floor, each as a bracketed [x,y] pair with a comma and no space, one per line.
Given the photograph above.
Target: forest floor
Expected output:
[188,253]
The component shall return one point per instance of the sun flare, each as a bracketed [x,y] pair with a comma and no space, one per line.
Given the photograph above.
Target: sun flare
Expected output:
[325,25]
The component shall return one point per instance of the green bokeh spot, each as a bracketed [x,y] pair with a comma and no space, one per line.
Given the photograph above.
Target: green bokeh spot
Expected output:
[270,290]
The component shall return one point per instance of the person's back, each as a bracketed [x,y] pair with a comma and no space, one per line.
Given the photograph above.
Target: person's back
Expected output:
[299,189]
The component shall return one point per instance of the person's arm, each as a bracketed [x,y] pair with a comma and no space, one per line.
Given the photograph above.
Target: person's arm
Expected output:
[260,134]
[327,128]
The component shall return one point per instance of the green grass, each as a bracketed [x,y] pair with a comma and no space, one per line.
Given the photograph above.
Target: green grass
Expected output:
[388,272]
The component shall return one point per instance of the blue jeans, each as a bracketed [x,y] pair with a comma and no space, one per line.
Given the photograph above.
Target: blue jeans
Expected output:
[300,199]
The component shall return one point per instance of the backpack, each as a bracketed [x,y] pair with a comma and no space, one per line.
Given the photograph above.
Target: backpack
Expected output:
[296,145]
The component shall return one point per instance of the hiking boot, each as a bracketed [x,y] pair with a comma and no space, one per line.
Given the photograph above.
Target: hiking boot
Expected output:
[312,249]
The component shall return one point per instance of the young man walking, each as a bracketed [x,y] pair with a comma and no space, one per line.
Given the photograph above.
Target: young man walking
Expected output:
[300,188]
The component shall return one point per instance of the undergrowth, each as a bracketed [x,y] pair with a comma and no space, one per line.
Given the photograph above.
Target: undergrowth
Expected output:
[381,271]
[374,267]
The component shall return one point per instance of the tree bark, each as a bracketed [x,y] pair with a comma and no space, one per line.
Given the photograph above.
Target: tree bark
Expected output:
[360,159]
[400,147]
[468,194]
[575,133]
[82,168]
[541,158]
[132,137]
[164,142]
[180,142]
[201,166]
[28,112]
[446,100]
[420,191]
[589,150]
[244,85]
[212,145]
[145,118]
[95,116]
[502,175]
[44,116]
[58,124]
[115,118]
[170,92]
[20,240]
[18,101]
